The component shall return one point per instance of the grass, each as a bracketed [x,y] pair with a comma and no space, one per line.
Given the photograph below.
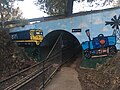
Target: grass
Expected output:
[91,63]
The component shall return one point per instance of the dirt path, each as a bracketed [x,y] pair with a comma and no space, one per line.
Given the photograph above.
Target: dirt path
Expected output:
[65,79]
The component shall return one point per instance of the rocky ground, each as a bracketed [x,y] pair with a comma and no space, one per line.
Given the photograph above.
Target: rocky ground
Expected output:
[104,77]
[12,58]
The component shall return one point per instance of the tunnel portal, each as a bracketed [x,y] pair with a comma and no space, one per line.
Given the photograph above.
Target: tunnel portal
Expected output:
[60,42]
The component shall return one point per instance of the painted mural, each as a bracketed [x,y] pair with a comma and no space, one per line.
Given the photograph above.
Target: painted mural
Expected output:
[93,21]
[99,46]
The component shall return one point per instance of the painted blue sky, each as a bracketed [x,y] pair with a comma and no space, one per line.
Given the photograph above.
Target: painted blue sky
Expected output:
[94,21]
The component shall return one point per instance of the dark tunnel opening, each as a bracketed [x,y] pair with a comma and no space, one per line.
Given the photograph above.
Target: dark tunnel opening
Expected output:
[62,41]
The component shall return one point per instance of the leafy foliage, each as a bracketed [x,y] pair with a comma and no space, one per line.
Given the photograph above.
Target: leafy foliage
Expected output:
[57,7]
[117,3]
[8,12]
[52,7]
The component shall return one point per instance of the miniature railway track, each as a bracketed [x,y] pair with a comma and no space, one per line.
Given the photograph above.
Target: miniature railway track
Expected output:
[18,80]
[15,77]
[26,74]
[38,76]
[41,75]
[29,78]
[37,80]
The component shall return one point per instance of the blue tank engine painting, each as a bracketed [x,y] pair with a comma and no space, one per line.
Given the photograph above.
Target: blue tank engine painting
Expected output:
[99,46]
[27,38]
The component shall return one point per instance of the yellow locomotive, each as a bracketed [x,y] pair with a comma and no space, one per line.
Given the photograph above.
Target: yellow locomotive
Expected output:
[28,38]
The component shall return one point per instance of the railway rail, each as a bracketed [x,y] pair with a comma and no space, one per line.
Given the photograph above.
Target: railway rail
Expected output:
[39,75]
[23,83]
[15,77]
[39,78]
[27,75]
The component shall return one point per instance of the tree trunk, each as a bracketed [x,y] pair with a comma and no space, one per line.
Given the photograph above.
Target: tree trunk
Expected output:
[69,7]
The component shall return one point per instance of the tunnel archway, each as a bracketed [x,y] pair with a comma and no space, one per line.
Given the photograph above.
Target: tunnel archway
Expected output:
[67,42]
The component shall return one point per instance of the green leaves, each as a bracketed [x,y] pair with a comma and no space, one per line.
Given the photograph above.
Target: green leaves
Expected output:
[8,12]
[52,7]
[57,7]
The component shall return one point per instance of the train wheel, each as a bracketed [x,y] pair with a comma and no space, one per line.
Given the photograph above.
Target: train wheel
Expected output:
[87,54]
[37,43]
[112,50]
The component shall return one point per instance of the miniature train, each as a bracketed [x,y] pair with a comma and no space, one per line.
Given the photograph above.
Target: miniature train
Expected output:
[28,38]
[100,46]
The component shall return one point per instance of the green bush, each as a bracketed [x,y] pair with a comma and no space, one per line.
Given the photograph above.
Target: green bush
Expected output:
[91,63]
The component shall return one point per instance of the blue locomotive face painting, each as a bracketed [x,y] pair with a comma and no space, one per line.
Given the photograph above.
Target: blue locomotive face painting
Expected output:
[95,21]
[99,46]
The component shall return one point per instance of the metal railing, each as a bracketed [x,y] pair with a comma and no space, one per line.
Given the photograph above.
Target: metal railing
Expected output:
[57,56]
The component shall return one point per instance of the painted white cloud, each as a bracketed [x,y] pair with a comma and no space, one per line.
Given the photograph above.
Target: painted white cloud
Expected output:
[83,40]
[83,25]
[39,27]
[50,30]
[63,26]
[92,33]
[105,29]
[71,21]
[77,34]
[47,27]
[59,23]
[98,21]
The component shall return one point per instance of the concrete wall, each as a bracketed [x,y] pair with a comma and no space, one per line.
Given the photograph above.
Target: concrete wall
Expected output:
[93,21]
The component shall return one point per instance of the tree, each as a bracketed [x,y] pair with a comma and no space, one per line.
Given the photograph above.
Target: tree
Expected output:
[58,7]
[117,3]
[8,12]
[52,7]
